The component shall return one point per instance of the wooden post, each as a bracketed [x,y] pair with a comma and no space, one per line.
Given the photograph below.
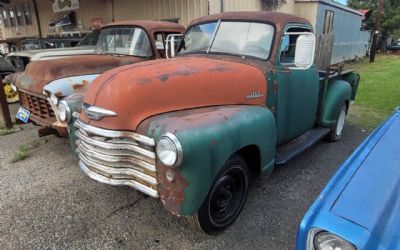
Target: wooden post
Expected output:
[377,31]
[37,18]
[4,108]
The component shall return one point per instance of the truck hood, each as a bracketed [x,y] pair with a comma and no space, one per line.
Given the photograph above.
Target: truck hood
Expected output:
[371,198]
[139,91]
[39,73]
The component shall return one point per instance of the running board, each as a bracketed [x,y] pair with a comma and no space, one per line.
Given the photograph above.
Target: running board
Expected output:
[293,148]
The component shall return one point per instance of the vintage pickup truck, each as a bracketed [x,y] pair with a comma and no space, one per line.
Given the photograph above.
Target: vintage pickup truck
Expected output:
[241,96]
[45,83]
[359,207]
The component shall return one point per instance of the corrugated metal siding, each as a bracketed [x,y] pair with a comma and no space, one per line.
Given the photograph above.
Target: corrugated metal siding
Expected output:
[88,10]
[307,10]
[240,5]
[346,26]
[185,10]
[21,31]
[234,5]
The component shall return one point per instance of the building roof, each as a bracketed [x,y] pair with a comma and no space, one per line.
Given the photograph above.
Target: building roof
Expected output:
[365,11]
[334,4]
[278,18]
[148,25]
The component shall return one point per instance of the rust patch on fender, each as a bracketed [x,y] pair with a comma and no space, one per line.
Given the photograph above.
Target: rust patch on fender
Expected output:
[79,86]
[172,194]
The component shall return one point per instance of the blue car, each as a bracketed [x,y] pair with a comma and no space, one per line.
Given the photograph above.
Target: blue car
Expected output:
[360,206]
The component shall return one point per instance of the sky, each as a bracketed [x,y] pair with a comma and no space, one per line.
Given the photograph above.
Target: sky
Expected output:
[341,1]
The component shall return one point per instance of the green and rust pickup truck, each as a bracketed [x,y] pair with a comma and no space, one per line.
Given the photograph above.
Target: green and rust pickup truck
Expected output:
[241,96]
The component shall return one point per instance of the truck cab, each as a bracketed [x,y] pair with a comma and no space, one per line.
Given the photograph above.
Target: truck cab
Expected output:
[241,96]
[45,83]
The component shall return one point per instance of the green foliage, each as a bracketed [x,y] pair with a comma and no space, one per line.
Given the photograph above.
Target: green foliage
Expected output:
[272,4]
[379,91]
[391,14]
[21,154]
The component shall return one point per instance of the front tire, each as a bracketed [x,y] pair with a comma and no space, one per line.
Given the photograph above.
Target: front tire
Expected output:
[337,129]
[226,197]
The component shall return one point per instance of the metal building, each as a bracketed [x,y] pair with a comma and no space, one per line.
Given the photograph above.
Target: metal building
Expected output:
[38,18]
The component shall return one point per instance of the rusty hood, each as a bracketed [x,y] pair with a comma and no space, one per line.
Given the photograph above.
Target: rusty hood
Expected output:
[139,91]
[40,73]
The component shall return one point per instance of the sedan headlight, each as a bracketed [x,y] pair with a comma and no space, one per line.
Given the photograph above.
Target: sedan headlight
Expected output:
[169,150]
[54,99]
[327,241]
[64,111]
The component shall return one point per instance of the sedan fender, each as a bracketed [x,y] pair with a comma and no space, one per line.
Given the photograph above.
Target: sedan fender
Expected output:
[209,136]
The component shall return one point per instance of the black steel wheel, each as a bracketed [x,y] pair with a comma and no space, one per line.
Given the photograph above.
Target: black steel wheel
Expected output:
[226,198]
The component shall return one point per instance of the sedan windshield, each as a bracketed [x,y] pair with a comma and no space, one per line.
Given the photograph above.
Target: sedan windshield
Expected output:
[124,41]
[236,38]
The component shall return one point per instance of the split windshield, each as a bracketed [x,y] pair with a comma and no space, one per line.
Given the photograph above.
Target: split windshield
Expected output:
[124,41]
[230,37]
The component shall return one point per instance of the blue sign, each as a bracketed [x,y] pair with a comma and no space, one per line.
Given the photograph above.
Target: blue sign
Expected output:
[23,114]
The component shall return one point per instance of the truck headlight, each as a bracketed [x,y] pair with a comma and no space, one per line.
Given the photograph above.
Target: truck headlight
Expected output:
[327,241]
[54,99]
[64,111]
[169,150]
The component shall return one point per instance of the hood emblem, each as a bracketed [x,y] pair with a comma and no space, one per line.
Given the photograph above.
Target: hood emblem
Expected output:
[254,94]
[96,113]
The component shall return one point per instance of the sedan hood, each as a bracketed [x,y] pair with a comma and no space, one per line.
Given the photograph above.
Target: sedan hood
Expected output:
[40,73]
[371,198]
[139,91]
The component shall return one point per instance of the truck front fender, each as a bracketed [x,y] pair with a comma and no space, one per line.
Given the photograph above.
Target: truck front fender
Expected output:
[339,93]
[209,136]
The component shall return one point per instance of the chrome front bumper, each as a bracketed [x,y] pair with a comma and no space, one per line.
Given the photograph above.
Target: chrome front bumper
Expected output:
[117,157]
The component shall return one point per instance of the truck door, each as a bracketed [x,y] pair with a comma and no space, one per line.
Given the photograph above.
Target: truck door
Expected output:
[296,90]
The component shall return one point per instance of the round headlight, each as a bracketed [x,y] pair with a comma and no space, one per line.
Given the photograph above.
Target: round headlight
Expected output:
[54,99]
[327,241]
[64,111]
[169,150]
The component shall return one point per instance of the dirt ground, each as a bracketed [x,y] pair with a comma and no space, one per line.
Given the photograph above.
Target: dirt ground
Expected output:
[47,202]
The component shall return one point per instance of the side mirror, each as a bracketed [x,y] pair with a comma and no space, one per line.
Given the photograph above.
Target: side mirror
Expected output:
[171,43]
[305,50]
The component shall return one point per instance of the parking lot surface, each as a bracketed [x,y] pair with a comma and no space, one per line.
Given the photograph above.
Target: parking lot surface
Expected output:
[47,202]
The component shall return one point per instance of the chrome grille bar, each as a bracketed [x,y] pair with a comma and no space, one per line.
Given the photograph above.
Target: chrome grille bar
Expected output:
[117,157]
[115,134]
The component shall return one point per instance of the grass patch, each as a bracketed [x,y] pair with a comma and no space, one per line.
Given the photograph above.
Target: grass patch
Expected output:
[379,90]
[4,131]
[21,154]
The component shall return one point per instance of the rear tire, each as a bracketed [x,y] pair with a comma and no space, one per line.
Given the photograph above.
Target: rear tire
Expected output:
[337,129]
[226,197]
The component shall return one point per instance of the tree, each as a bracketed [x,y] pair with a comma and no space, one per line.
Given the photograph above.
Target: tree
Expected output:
[391,14]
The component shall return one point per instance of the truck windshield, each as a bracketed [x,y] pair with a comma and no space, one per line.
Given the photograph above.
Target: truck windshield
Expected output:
[90,39]
[124,41]
[229,37]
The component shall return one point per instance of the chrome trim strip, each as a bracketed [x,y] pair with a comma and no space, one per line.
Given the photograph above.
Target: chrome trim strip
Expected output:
[115,134]
[100,178]
[115,146]
[93,152]
[118,173]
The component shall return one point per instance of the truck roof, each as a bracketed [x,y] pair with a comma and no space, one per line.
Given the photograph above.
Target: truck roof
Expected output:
[278,18]
[148,25]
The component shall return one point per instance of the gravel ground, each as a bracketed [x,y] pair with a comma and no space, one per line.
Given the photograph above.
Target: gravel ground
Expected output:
[46,202]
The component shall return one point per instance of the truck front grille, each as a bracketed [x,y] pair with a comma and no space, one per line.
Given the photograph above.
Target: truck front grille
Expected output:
[117,157]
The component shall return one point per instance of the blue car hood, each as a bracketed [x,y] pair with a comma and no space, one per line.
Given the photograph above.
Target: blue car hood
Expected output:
[371,198]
